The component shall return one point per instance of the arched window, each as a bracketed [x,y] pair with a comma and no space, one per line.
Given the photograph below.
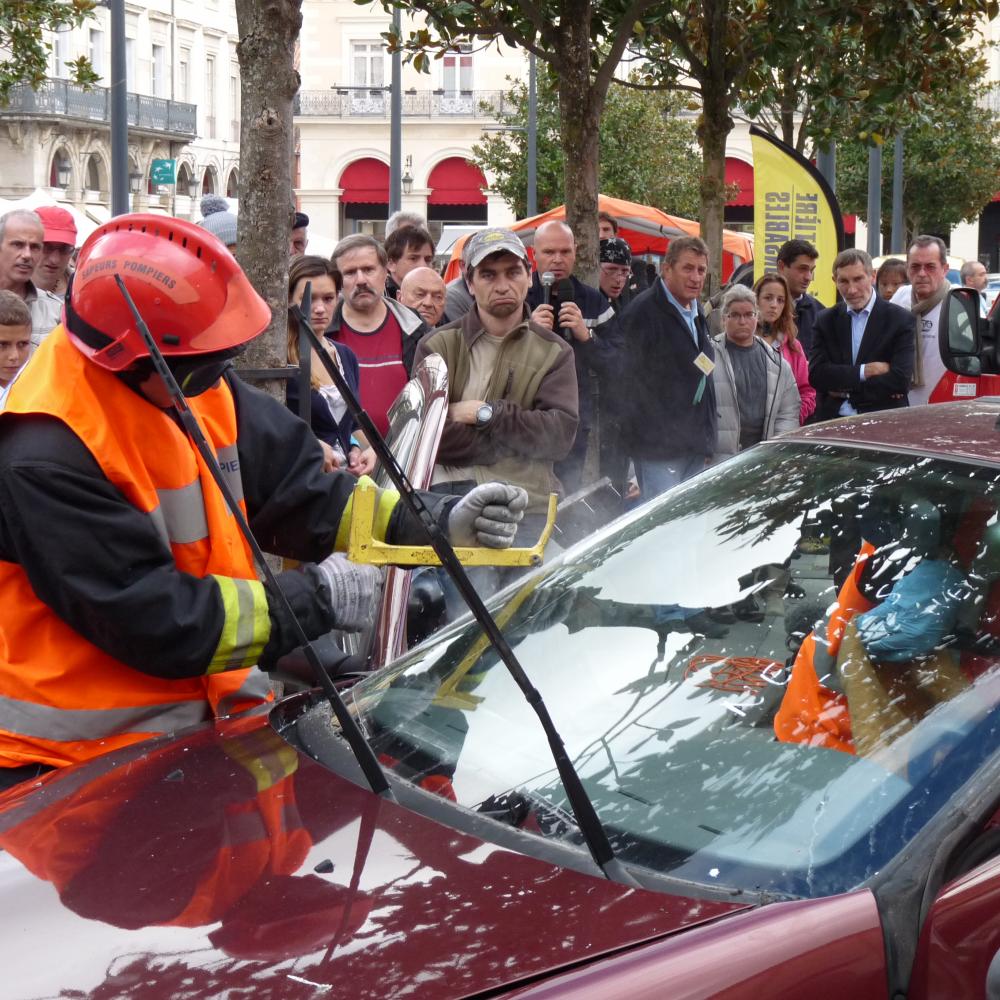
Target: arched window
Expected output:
[61,172]
[208,181]
[184,180]
[233,184]
[95,175]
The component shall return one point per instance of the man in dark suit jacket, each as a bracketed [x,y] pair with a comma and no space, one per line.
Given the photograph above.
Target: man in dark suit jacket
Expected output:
[667,393]
[862,354]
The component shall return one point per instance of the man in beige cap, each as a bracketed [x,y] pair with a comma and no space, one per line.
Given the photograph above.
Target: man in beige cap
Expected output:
[58,244]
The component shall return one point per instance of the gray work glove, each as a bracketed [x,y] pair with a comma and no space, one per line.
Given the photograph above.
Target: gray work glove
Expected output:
[354,591]
[487,515]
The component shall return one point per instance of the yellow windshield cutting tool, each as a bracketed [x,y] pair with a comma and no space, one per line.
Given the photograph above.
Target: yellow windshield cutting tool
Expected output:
[363,547]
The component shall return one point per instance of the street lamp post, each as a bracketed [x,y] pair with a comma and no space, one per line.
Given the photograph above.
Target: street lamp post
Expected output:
[532,199]
[897,195]
[874,199]
[396,122]
[407,181]
[119,111]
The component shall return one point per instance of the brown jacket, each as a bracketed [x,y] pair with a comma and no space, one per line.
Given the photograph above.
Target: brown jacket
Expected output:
[533,390]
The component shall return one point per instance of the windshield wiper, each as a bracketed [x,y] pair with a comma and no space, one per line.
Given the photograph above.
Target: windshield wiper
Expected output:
[366,758]
[586,816]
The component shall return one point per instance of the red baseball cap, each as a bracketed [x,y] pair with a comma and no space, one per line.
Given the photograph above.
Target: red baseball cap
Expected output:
[58,224]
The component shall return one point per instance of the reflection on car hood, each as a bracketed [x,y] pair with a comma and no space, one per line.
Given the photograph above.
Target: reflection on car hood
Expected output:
[225,858]
[957,430]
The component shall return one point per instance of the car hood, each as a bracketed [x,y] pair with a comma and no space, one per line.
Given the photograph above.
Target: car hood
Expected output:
[225,859]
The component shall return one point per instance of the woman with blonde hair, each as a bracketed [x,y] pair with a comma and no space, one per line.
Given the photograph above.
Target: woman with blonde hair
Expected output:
[777,326]
[331,421]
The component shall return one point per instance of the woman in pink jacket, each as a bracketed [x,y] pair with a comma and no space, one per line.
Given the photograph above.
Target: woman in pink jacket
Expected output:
[777,327]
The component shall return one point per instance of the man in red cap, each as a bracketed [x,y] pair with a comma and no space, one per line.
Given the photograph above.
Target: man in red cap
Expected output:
[58,244]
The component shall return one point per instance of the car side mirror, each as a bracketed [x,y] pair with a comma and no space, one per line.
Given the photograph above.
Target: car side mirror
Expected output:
[967,342]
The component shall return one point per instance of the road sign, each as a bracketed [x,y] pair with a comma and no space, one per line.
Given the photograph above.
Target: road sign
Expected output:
[163,171]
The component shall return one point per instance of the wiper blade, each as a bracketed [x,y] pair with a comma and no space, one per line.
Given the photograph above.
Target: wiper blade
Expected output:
[366,758]
[587,820]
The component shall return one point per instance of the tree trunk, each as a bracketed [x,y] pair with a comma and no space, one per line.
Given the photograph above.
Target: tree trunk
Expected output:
[268,33]
[581,104]
[714,127]
[788,108]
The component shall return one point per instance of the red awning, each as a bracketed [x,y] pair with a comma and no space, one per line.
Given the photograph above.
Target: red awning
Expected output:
[456,182]
[738,172]
[366,180]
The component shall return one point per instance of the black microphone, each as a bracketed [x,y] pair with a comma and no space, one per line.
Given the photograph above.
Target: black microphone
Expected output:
[547,279]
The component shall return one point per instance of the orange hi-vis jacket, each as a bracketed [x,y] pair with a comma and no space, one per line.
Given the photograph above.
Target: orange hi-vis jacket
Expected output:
[64,700]
[811,712]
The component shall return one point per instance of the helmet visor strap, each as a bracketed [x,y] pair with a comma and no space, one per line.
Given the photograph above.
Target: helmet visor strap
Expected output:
[196,375]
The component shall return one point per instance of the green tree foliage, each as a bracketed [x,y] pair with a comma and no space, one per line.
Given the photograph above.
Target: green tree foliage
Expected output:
[951,162]
[649,153]
[717,50]
[580,41]
[22,40]
[874,56]
[854,71]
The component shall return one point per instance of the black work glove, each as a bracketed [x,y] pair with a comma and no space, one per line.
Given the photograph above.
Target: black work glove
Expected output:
[295,669]
[309,596]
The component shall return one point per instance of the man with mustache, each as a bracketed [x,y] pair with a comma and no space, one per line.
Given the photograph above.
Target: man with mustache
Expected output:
[381,332]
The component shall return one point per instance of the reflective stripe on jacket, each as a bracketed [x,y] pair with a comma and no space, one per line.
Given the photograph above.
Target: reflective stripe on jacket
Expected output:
[64,700]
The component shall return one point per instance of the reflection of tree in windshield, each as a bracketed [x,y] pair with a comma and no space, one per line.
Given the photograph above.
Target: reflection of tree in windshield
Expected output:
[675,770]
[774,486]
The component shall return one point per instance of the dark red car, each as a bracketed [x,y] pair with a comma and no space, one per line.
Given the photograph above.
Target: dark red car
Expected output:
[779,684]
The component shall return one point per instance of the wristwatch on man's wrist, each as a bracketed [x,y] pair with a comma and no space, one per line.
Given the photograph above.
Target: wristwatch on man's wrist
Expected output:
[484,414]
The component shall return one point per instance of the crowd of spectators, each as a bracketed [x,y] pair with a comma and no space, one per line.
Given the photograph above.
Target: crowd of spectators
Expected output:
[556,383]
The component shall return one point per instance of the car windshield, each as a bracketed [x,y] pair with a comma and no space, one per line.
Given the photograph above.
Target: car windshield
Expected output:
[771,678]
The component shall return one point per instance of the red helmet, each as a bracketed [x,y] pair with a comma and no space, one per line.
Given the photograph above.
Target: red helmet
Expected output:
[187,286]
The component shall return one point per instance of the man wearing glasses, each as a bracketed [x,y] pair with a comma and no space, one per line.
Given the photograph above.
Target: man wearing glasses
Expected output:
[927,267]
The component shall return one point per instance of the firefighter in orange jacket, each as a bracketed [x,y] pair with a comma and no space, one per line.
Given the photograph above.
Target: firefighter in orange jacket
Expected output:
[130,602]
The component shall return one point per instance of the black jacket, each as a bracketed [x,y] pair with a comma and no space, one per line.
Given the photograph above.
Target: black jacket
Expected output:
[806,311]
[320,418]
[660,381]
[100,564]
[601,355]
[889,336]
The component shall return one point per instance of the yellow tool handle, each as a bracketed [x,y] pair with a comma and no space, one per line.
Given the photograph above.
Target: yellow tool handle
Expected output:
[363,547]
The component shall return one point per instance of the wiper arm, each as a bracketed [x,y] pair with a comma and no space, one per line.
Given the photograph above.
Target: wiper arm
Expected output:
[586,816]
[366,758]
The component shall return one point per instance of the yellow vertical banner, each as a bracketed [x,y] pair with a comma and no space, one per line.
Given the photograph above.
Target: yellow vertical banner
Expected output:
[792,201]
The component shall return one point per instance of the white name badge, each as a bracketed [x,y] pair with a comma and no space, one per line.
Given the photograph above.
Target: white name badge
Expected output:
[704,364]
[964,389]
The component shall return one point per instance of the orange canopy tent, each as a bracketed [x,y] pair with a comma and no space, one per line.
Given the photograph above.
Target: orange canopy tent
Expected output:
[645,229]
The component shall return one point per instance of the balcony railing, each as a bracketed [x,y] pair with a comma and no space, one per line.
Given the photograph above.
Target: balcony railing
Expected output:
[373,102]
[62,99]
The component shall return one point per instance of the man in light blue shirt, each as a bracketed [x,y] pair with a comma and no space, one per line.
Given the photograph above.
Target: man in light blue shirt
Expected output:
[689,313]
[859,320]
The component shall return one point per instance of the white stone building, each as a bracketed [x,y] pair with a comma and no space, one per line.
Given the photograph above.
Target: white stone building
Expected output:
[183,104]
[342,124]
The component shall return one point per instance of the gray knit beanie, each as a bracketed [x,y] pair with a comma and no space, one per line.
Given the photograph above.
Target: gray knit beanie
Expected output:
[218,220]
